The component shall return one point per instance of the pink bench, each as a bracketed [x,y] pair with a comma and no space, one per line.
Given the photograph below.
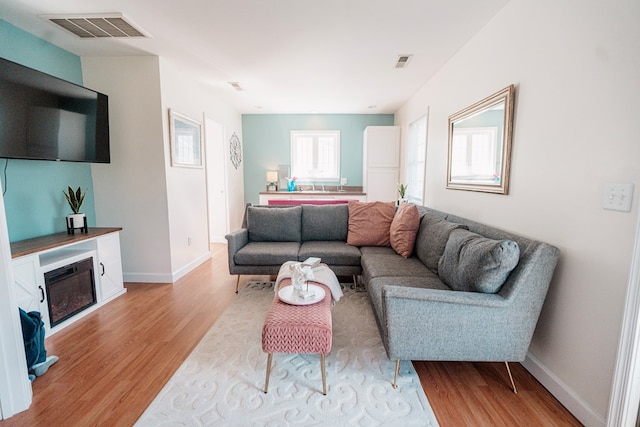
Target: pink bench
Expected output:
[298,329]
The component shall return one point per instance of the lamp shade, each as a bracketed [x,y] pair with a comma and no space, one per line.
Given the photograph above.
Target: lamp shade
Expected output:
[272,176]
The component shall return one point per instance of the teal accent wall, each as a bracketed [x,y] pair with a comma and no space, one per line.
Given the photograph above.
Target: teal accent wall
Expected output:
[34,202]
[266,143]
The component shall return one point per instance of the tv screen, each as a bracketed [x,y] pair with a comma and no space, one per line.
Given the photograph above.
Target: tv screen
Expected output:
[46,118]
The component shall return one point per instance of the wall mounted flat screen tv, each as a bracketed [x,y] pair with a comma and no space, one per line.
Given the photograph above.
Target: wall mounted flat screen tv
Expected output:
[46,118]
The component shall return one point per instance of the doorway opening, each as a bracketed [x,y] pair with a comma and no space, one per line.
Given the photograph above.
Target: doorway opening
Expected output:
[217,199]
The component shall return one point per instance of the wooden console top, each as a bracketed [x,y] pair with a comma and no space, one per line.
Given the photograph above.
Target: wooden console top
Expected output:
[50,241]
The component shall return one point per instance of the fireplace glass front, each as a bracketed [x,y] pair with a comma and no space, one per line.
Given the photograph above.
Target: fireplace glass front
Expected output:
[70,289]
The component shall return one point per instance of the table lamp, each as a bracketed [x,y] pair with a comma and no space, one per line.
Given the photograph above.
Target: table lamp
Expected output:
[272,178]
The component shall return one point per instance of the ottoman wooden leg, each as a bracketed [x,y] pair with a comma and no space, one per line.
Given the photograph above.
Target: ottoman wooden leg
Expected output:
[324,375]
[266,381]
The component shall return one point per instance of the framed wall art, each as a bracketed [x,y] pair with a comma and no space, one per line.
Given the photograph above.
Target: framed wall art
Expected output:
[186,141]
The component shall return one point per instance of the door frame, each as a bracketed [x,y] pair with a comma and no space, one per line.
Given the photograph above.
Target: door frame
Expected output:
[625,393]
[214,152]
[15,389]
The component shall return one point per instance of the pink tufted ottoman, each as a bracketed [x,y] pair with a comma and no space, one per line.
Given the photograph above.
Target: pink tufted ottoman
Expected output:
[298,329]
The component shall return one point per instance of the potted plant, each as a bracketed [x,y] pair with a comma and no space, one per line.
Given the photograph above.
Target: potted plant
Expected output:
[402,191]
[75,200]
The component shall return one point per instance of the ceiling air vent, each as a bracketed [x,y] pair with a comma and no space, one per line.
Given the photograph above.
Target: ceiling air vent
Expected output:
[403,61]
[97,26]
[236,86]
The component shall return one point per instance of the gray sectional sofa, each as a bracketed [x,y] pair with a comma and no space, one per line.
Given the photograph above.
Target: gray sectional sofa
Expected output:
[469,292]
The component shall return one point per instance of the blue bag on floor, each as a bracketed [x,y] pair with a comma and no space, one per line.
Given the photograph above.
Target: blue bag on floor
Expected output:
[33,336]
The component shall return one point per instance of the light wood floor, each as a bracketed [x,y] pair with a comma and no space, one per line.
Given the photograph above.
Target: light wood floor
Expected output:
[114,361]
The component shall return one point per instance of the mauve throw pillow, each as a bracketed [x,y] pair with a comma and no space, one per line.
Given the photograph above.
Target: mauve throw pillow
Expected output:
[369,223]
[472,262]
[405,224]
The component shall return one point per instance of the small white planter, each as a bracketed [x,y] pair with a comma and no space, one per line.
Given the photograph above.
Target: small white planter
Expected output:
[78,220]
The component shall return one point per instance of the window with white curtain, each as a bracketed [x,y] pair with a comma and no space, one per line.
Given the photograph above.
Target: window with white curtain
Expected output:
[315,155]
[416,156]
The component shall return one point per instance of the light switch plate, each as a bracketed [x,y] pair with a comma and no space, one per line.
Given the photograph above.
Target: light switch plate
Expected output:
[618,197]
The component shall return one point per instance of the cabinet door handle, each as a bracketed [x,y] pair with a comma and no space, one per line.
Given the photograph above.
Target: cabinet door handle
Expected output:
[41,293]
[102,265]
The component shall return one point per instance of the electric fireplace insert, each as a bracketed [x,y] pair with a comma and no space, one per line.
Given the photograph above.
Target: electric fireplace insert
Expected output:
[70,289]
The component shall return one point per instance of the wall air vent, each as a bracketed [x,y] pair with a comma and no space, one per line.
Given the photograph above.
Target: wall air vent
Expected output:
[403,61]
[97,26]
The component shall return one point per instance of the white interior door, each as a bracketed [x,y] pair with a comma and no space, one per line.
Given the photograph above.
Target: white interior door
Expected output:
[216,181]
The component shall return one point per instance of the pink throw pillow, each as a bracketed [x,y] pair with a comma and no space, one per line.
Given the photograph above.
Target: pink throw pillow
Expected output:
[369,223]
[404,228]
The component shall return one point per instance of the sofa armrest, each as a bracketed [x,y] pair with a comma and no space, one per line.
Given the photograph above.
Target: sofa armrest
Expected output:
[432,324]
[236,241]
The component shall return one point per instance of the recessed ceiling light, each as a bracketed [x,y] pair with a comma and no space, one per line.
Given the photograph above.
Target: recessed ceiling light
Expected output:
[372,107]
[236,86]
[403,61]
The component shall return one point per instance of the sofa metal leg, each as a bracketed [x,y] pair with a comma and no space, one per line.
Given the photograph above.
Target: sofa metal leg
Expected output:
[324,374]
[266,381]
[355,282]
[395,377]
[513,384]
[237,283]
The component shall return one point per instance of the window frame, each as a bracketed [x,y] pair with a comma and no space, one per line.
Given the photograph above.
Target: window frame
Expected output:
[416,166]
[315,135]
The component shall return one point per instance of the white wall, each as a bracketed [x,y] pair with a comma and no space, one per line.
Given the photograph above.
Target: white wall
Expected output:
[576,65]
[159,206]
[186,187]
[130,192]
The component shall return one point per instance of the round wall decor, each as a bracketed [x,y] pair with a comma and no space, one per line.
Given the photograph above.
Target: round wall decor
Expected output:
[236,150]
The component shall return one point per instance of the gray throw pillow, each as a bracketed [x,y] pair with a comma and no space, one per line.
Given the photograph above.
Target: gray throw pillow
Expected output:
[274,224]
[325,222]
[431,239]
[475,263]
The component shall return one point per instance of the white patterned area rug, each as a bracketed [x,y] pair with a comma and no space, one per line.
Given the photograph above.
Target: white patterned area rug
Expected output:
[221,382]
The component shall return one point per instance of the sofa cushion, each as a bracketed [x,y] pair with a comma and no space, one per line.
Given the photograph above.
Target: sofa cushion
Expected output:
[377,250]
[267,253]
[432,238]
[475,263]
[274,224]
[393,265]
[330,252]
[325,222]
[369,223]
[402,233]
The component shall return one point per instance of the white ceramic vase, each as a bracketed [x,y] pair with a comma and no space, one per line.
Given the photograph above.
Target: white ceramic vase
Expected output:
[78,220]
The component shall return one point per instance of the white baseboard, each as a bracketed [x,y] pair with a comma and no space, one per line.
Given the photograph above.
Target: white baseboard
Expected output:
[166,278]
[561,391]
[147,278]
[191,266]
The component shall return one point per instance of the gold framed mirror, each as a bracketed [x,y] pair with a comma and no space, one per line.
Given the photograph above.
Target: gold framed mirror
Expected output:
[480,144]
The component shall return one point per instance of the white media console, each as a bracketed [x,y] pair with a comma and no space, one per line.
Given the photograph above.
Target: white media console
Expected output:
[34,258]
